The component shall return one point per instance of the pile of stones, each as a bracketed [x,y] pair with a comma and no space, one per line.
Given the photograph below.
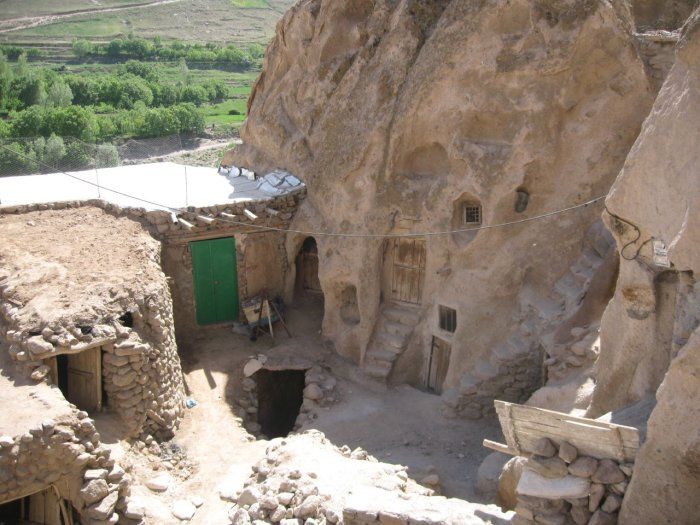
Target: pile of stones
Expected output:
[580,352]
[558,486]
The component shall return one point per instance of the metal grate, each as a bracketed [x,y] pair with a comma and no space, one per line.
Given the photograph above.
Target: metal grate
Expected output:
[472,214]
[448,318]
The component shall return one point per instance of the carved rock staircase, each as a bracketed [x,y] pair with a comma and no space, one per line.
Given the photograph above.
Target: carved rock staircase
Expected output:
[391,337]
[512,371]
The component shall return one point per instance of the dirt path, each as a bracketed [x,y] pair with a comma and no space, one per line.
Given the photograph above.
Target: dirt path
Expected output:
[27,22]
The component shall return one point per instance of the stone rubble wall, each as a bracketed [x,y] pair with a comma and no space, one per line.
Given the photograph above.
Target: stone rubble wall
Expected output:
[282,490]
[69,456]
[557,486]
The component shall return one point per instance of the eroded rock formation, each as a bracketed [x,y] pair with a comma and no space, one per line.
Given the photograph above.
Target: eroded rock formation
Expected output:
[649,336]
[406,117]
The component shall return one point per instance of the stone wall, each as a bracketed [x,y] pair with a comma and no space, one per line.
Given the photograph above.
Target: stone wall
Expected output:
[65,454]
[558,486]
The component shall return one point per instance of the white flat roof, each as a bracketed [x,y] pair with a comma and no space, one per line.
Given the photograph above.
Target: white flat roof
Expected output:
[163,184]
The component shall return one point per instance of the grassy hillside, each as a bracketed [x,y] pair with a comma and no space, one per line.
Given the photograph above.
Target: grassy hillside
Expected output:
[57,22]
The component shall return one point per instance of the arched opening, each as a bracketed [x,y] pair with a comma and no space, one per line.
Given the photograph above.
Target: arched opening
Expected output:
[307,281]
[280,396]
[308,294]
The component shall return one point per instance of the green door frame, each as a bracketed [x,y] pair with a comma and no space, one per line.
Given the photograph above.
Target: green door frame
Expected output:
[215,279]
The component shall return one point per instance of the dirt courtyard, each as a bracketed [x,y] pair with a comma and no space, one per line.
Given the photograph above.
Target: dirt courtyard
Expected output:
[400,425]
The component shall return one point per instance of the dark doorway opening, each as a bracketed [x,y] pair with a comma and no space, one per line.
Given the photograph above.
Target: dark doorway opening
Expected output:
[280,395]
[307,281]
[11,512]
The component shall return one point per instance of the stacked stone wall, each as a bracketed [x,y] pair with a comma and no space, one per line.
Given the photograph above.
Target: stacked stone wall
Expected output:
[68,456]
[560,486]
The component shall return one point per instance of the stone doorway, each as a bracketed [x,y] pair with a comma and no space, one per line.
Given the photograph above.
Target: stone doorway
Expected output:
[280,396]
[79,377]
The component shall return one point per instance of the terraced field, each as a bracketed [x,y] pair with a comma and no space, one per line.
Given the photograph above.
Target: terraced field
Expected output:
[56,23]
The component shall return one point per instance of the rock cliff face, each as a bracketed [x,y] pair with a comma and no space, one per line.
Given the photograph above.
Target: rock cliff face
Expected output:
[403,116]
[649,335]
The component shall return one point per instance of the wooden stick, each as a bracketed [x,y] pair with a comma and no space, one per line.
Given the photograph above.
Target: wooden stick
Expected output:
[499,447]
[269,319]
[274,306]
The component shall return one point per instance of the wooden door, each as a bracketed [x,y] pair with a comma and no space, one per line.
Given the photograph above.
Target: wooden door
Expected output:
[408,270]
[84,379]
[215,280]
[43,508]
[438,363]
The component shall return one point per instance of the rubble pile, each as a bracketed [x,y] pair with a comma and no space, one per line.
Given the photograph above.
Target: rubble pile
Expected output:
[298,483]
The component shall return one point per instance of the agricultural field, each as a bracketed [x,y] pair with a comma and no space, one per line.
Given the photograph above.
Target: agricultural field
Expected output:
[105,71]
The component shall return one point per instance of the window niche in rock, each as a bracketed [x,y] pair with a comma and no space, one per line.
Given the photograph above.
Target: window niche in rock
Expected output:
[467,214]
[522,199]
[349,310]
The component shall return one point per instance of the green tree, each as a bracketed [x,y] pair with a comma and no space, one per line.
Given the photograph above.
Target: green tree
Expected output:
[107,156]
[59,94]
[82,48]
[54,151]
[6,76]
[184,70]
[21,69]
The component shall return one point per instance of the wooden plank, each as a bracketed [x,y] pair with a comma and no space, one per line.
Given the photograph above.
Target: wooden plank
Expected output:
[629,434]
[523,426]
[85,380]
[499,447]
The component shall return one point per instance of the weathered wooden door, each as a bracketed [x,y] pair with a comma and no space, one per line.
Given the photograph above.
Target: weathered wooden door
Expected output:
[438,363]
[84,379]
[44,508]
[215,280]
[408,270]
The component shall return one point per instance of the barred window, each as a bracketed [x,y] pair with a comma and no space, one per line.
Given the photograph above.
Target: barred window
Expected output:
[448,318]
[472,214]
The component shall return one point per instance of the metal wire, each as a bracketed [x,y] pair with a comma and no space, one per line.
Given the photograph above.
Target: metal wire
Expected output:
[337,234]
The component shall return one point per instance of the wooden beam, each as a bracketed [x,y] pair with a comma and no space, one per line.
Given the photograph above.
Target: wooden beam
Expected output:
[272,212]
[205,220]
[250,214]
[500,447]
[187,225]
[227,215]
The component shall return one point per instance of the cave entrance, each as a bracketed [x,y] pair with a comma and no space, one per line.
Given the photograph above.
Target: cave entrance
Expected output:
[280,396]
[42,508]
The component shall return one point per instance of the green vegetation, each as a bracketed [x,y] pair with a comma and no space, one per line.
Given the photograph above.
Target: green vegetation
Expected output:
[144,49]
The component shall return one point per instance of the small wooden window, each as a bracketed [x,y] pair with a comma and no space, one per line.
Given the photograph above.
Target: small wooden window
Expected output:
[448,318]
[472,213]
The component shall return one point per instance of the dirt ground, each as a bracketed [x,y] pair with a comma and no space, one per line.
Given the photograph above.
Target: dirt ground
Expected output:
[397,425]
[97,257]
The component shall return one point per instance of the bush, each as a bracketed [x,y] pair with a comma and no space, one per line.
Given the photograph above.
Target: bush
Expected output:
[234,112]
[82,48]
[107,156]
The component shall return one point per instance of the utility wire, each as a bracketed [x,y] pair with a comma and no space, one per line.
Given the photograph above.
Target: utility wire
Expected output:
[332,234]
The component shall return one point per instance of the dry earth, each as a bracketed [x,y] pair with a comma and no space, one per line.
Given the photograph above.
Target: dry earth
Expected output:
[395,425]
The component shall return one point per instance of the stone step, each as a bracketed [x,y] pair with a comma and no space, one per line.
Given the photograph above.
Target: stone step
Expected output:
[377,371]
[399,329]
[485,370]
[402,315]
[601,243]
[392,340]
[568,286]
[382,354]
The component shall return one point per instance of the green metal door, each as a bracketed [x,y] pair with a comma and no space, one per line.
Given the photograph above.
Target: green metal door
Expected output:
[215,280]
